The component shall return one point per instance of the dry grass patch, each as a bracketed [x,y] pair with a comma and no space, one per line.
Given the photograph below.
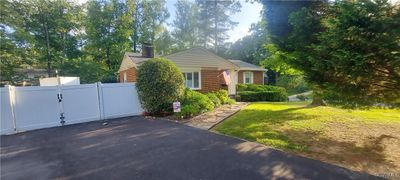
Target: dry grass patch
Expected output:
[362,140]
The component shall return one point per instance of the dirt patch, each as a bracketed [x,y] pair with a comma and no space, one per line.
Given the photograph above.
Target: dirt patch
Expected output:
[371,148]
[361,140]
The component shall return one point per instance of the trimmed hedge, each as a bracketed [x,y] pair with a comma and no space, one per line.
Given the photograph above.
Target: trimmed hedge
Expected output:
[255,92]
[258,88]
[251,96]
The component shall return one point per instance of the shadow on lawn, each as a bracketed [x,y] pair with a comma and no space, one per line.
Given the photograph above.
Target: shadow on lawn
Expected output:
[269,127]
[367,155]
[262,126]
[276,116]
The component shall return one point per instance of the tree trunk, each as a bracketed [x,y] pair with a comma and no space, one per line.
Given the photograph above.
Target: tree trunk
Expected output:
[46,30]
[216,26]
[64,48]
[108,62]
[317,97]
[134,40]
[135,28]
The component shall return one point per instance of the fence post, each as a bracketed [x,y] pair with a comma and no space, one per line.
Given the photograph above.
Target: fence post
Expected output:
[11,96]
[100,100]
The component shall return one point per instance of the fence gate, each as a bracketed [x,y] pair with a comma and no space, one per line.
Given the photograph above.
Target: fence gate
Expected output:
[28,108]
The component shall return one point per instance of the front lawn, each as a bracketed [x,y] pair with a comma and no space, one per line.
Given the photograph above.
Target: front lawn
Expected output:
[362,140]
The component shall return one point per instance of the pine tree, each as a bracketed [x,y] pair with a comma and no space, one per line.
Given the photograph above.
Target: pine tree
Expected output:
[215,21]
[186,27]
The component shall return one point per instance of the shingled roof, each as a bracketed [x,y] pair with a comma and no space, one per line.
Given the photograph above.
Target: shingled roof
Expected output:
[247,66]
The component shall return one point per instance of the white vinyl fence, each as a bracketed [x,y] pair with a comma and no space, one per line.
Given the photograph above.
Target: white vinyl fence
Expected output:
[35,107]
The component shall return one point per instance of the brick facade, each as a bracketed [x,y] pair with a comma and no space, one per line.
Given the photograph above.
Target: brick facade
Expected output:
[258,77]
[131,75]
[212,80]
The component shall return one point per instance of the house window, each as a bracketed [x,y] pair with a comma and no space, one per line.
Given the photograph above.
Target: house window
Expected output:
[192,80]
[248,77]
[125,77]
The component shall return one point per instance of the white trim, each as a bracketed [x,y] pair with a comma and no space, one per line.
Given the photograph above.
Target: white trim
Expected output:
[251,77]
[234,82]
[252,69]
[263,78]
[125,77]
[193,71]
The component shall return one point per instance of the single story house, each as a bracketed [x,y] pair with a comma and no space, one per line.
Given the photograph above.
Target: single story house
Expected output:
[203,70]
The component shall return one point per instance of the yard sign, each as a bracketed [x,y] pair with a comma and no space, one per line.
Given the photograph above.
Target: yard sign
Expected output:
[176,106]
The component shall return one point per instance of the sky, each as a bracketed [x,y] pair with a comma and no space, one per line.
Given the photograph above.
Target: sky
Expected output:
[250,13]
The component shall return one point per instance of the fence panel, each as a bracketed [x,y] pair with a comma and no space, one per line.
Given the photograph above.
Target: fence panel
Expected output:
[6,119]
[36,107]
[81,103]
[119,100]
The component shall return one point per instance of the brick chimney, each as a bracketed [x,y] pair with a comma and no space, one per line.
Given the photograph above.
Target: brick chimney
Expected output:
[147,50]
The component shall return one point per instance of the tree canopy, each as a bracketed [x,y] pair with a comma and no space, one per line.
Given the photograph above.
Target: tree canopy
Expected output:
[68,36]
[349,49]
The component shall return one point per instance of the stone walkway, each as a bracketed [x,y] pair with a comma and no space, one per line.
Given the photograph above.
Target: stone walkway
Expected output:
[209,119]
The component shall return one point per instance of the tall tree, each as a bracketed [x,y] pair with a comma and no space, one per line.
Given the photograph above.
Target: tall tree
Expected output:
[15,43]
[251,47]
[149,16]
[276,14]
[349,49]
[186,24]
[108,27]
[215,21]
[164,43]
[354,55]
[47,27]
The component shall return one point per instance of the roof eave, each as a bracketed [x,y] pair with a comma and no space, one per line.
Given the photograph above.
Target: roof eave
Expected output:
[252,69]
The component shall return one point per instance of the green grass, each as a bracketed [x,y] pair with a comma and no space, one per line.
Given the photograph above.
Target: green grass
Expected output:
[362,140]
[294,126]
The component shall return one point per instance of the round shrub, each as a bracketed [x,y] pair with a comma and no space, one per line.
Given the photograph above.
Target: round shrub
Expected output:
[159,84]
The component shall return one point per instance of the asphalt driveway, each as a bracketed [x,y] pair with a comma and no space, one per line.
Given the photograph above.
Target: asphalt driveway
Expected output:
[136,148]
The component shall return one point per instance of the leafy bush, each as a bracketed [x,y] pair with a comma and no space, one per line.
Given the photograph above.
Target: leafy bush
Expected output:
[198,100]
[187,111]
[88,70]
[257,87]
[214,98]
[251,96]
[230,101]
[255,92]
[159,84]
[222,96]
